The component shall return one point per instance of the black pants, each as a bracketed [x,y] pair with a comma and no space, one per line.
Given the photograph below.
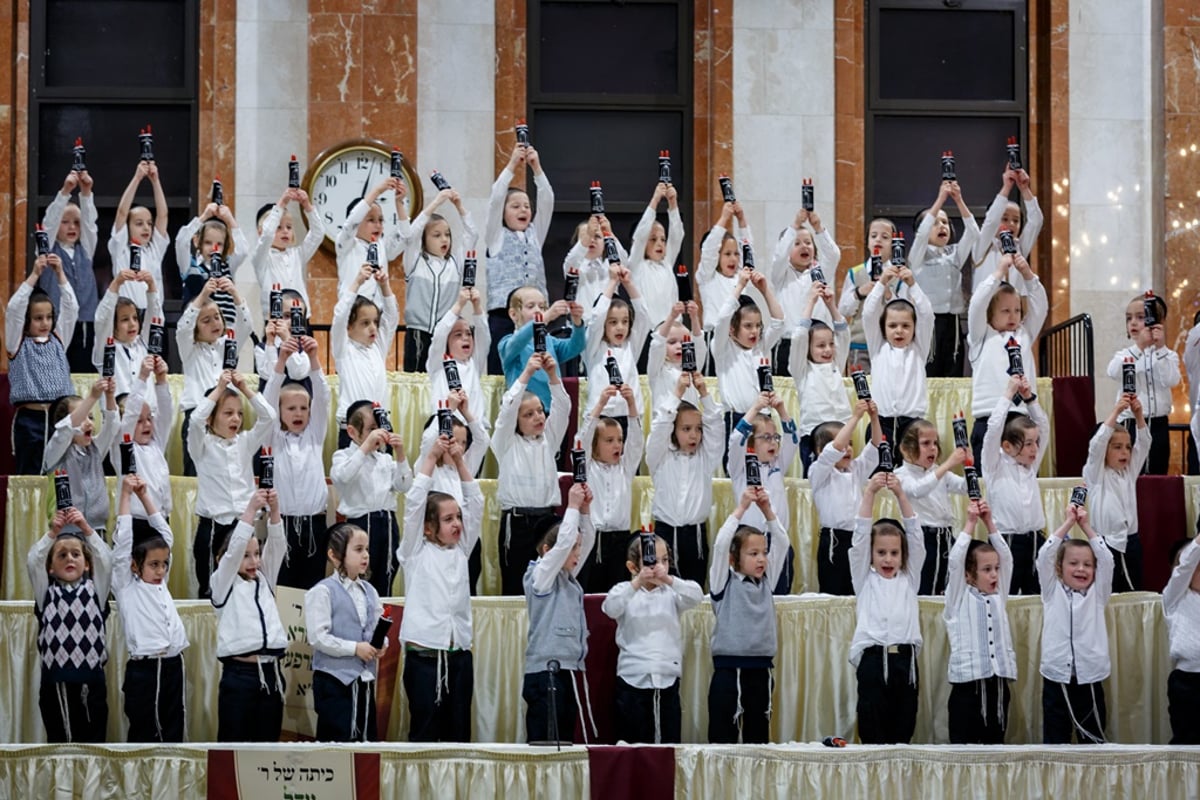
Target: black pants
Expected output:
[649,716]
[154,699]
[520,530]
[1193,457]
[382,540]
[783,586]
[833,562]
[1183,706]
[536,692]
[79,351]
[250,702]
[439,713]
[605,566]
[893,432]
[1158,462]
[887,706]
[209,536]
[1073,708]
[189,466]
[946,354]
[731,420]
[500,325]
[1024,547]
[808,454]
[938,542]
[747,689]
[979,711]
[978,431]
[475,566]
[31,430]
[781,364]
[307,556]
[73,712]
[345,712]
[1127,566]
[416,349]
[689,544]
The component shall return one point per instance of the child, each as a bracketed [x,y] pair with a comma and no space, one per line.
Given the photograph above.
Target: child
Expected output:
[37,336]
[516,348]
[744,635]
[76,448]
[118,317]
[515,236]
[557,644]
[1076,581]
[224,456]
[929,486]
[796,253]
[664,365]
[340,615]
[526,439]
[976,597]
[1181,607]
[250,636]
[837,478]
[721,259]
[615,329]
[885,565]
[994,317]
[1156,369]
[1012,455]
[652,256]
[938,264]
[361,336]
[1003,213]
[149,428]
[433,272]
[201,335]
[70,573]
[682,452]
[1114,460]
[816,355]
[439,535]
[276,332]
[741,342]
[466,340]
[73,226]
[899,335]
[647,608]
[367,474]
[586,257]
[298,446]
[134,225]
[277,259]
[364,225]
[214,231]
[154,634]
[775,454]
[858,284]
[613,458]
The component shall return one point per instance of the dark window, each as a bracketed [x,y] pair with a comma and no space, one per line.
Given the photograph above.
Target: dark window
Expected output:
[609,86]
[116,43]
[942,77]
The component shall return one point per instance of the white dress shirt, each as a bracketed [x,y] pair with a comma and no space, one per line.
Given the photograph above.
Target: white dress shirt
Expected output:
[152,626]
[300,457]
[985,344]
[885,608]
[247,614]
[938,270]
[150,458]
[898,373]
[1112,494]
[1074,636]
[683,481]
[838,494]
[225,467]
[929,496]
[288,267]
[352,252]
[203,362]
[596,351]
[367,482]
[362,371]
[792,286]
[1181,607]
[655,280]
[318,620]
[973,618]
[986,251]
[468,371]
[737,367]
[528,473]
[612,484]
[664,375]
[129,355]
[821,387]
[1012,489]
[152,257]
[1156,371]
[649,635]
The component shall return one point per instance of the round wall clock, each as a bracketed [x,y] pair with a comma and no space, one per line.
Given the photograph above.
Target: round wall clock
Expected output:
[348,170]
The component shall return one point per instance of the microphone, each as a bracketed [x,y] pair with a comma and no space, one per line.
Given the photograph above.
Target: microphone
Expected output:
[552,666]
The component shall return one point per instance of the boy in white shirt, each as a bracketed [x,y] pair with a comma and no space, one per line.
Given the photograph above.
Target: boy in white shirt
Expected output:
[1181,607]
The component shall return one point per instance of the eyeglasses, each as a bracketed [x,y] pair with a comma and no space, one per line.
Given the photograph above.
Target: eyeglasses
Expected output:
[768,437]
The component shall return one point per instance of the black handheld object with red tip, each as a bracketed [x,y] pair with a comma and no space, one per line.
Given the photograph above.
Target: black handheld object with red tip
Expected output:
[108,366]
[664,166]
[960,431]
[373,256]
[817,274]
[571,285]
[949,172]
[971,476]
[862,389]
[41,241]
[1079,495]
[128,463]
[1014,153]
[727,194]
[753,473]
[135,256]
[886,462]
[296,325]
[747,254]
[596,196]
[1016,365]
[276,302]
[539,333]
[876,263]
[683,283]
[578,463]
[218,267]
[230,360]
[445,419]
[807,200]
[1150,310]
[156,339]
[522,131]
[78,156]
[649,549]
[439,181]
[266,469]
[614,370]
[1128,376]
[450,367]
[146,144]
[396,167]
[383,420]
[611,254]
[382,627]
[687,359]
[1008,243]
[293,173]
[765,382]
[62,490]
[218,192]
[469,270]
[898,259]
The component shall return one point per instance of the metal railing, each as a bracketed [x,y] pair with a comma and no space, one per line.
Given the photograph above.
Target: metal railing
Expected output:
[1067,349]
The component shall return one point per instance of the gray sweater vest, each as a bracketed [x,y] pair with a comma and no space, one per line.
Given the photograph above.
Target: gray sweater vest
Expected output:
[346,625]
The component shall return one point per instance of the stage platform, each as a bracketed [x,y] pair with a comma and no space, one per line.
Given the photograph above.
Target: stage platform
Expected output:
[513,772]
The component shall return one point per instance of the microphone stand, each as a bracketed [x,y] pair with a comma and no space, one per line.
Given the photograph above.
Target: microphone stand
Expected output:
[552,666]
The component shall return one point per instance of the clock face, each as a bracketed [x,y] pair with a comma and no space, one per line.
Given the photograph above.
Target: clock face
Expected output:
[349,171]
